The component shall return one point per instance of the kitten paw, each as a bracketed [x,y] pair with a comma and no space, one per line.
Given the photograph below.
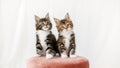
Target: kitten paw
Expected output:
[64,56]
[49,56]
[72,56]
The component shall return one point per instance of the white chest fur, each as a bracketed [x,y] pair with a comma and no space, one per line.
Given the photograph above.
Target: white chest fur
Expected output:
[67,35]
[42,36]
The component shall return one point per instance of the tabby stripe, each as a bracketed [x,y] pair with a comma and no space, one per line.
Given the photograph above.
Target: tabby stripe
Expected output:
[49,48]
[39,48]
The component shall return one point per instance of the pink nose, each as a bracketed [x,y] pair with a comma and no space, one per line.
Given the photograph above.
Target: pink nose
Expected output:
[45,26]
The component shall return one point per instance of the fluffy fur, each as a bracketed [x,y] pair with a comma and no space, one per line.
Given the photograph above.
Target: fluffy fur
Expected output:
[66,39]
[45,40]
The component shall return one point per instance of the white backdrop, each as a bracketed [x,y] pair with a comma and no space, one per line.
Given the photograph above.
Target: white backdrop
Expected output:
[96,24]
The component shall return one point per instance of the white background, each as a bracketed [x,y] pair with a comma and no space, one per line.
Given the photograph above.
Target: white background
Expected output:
[96,25]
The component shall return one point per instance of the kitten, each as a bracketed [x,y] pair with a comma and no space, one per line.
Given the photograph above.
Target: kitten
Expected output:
[66,39]
[46,41]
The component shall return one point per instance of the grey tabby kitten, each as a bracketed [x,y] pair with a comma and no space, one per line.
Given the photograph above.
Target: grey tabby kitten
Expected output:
[66,39]
[46,41]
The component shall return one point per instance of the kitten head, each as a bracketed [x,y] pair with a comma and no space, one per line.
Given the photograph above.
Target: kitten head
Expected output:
[64,24]
[43,23]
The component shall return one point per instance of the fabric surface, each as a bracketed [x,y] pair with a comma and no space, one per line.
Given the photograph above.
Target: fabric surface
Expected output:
[42,62]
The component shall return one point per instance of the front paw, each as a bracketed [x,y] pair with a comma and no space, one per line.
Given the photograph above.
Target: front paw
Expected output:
[72,56]
[49,56]
[39,52]
[64,56]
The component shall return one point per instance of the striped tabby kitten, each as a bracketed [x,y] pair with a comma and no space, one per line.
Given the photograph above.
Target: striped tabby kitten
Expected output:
[66,39]
[46,41]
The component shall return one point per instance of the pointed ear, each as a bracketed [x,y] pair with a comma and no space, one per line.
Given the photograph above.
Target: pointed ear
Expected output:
[37,18]
[67,16]
[56,21]
[47,16]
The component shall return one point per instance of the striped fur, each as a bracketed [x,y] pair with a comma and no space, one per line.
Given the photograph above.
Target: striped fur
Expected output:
[45,40]
[66,39]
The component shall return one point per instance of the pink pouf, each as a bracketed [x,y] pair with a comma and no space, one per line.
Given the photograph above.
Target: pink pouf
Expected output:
[42,62]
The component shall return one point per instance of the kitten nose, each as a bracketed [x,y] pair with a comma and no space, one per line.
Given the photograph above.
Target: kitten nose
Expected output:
[45,26]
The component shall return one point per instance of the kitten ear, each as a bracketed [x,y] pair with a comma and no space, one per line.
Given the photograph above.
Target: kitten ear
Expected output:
[67,16]
[47,16]
[56,20]
[37,18]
